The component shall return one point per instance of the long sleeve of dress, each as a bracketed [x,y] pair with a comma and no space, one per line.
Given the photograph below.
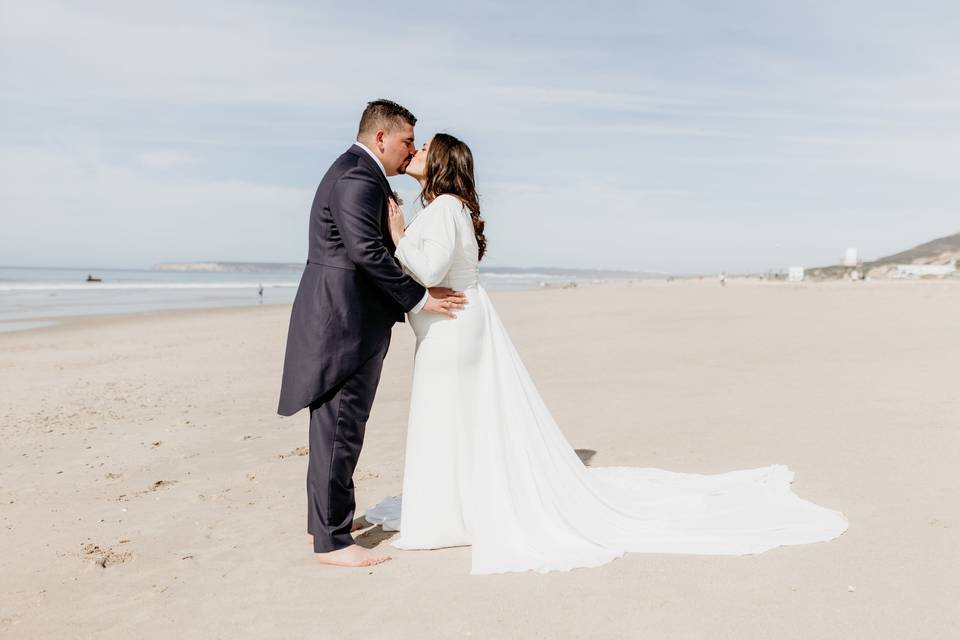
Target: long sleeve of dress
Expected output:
[427,251]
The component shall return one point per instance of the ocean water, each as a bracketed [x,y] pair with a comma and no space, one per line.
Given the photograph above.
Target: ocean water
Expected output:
[32,297]
[33,294]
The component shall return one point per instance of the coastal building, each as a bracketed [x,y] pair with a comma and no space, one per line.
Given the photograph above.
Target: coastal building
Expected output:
[796,274]
[852,257]
[920,270]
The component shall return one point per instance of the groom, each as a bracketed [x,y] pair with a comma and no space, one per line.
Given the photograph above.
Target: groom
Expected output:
[351,293]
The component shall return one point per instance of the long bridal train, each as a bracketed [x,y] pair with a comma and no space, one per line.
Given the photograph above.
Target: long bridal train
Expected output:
[487,466]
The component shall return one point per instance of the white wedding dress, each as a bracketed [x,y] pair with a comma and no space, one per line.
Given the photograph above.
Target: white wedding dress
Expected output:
[487,466]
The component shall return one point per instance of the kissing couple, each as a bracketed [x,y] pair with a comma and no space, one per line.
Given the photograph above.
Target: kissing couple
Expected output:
[486,464]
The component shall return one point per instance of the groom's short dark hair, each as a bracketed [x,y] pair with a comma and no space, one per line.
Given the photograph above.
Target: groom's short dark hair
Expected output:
[383,114]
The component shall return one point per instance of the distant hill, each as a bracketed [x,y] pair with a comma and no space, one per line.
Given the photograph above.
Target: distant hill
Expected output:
[940,251]
[933,250]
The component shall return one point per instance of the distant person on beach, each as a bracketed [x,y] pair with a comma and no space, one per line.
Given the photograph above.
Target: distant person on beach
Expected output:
[351,293]
[260,293]
[723,278]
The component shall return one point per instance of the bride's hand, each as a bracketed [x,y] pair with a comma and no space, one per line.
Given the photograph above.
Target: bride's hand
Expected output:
[395,218]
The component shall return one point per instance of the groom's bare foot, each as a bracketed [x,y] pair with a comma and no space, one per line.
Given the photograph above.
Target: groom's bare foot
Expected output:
[353,556]
[358,524]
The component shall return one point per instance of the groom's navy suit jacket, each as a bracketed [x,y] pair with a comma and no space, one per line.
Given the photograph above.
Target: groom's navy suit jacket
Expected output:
[352,290]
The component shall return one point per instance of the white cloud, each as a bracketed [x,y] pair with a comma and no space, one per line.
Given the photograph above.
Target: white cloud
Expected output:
[67,208]
[682,136]
[164,158]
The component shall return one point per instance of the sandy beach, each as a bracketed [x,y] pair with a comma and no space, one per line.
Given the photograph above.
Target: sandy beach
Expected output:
[149,490]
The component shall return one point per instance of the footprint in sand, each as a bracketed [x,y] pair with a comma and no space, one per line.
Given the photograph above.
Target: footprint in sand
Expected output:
[105,556]
[159,484]
[299,451]
[156,486]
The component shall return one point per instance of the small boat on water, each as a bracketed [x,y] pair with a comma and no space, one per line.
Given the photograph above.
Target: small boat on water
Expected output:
[92,279]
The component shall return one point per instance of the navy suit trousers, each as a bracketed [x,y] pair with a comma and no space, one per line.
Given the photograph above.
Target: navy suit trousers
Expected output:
[337,424]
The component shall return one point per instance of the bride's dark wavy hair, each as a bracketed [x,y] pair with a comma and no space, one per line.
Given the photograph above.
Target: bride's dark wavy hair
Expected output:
[450,170]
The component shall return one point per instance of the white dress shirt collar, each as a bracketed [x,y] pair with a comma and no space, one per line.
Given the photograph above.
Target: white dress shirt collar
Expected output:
[372,155]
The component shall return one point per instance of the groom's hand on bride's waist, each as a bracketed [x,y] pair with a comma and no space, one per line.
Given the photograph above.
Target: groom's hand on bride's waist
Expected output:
[444,301]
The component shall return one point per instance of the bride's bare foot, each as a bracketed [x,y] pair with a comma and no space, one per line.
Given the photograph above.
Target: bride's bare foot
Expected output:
[353,556]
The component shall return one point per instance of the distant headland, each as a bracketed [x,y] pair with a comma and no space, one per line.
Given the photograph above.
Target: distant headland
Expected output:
[261,267]
[229,267]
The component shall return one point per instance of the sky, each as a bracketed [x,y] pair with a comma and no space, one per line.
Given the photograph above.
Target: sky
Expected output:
[676,137]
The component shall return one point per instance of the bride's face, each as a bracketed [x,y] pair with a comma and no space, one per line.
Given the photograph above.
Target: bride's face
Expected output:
[417,169]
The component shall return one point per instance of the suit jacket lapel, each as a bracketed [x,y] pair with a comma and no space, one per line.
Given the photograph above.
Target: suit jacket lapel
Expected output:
[374,169]
[368,162]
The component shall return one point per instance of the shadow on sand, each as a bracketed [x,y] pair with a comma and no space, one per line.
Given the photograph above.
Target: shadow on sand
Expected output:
[372,536]
[585,455]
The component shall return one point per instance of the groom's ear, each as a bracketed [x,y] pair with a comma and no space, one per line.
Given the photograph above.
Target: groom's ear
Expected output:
[378,139]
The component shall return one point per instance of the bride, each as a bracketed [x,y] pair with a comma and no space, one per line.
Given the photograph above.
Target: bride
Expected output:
[487,466]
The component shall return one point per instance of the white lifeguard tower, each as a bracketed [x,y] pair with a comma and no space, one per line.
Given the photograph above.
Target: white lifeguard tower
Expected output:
[795,274]
[852,257]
